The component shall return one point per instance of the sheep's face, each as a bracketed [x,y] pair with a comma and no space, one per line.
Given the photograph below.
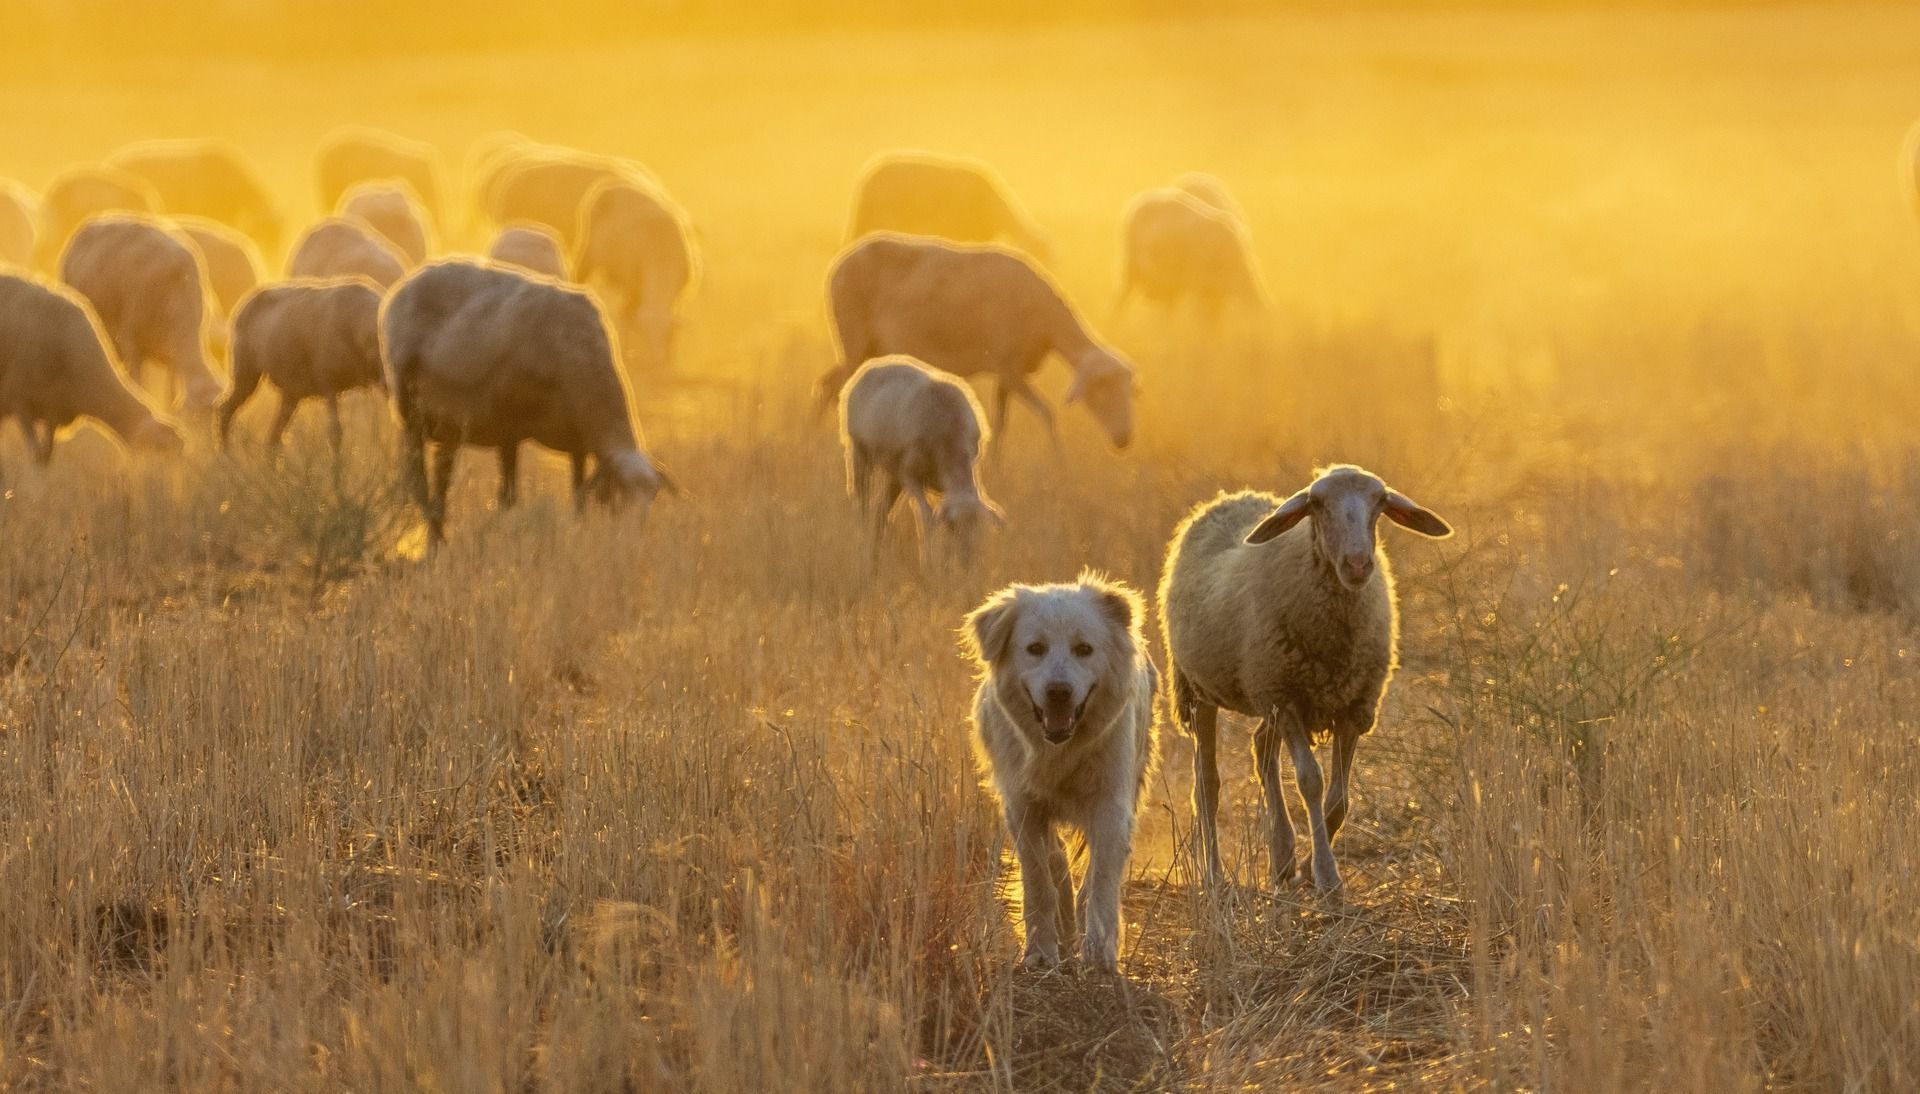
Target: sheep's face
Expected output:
[628,479]
[963,518]
[1104,382]
[1057,655]
[1346,505]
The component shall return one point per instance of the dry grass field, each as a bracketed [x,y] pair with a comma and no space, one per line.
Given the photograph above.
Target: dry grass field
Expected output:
[1632,298]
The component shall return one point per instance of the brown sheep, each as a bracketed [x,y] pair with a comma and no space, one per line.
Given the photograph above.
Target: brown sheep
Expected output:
[636,251]
[55,367]
[970,310]
[535,250]
[17,212]
[355,154]
[920,193]
[82,192]
[478,354]
[346,247]
[146,284]
[1177,247]
[547,186]
[313,339]
[394,212]
[206,178]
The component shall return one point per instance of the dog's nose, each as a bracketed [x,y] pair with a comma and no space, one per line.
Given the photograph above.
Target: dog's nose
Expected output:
[1358,567]
[1059,694]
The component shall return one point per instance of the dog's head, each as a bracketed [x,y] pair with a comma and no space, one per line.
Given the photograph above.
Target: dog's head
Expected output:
[1060,656]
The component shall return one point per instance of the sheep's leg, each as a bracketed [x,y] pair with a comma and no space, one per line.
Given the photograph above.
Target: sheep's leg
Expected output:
[413,470]
[889,497]
[860,476]
[1035,846]
[1109,844]
[1306,776]
[443,457]
[923,517]
[281,419]
[509,475]
[1336,803]
[579,469]
[1002,395]
[1266,760]
[336,433]
[39,439]
[1032,398]
[1206,789]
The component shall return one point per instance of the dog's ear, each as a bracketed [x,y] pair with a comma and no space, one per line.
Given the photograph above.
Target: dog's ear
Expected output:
[1119,604]
[990,626]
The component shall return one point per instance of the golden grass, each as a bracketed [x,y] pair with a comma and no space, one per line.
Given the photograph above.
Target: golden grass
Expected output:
[1631,299]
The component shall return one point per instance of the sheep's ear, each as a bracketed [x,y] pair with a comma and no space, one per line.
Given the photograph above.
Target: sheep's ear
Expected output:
[1290,513]
[990,627]
[1401,510]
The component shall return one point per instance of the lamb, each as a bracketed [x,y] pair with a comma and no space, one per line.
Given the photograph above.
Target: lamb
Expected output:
[478,354]
[1064,731]
[18,210]
[393,211]
[920,193]
[354,154]
[78,193]
[55,367]
[635,250]
[234,267]
[1177,247]
[921,430]
[1296,626]
[346,247]
[146,284]
[970,310]
[313,339]
[549,186]
[535,250]
[205,178]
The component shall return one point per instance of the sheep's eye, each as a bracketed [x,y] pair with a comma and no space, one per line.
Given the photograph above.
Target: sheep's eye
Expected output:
[1038,649]
[1082,649]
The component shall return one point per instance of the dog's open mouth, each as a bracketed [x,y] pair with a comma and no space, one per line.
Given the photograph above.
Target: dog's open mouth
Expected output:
[1057,723]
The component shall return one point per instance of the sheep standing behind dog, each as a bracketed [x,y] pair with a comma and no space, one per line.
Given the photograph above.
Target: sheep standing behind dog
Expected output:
[962,200]
[393,210]
[1064,731]
[313,339]
[147,286]
[1283,610]
[18,209]
[968,310]
[548,186]
[353,155]
[636,251]
[55,367]
[346,247]
[205,178]
[533,249]
[1177,247]
[234,268]
[922,431]
[478,354]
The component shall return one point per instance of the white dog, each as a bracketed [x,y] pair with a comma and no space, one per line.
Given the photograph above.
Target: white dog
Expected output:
[1064,729]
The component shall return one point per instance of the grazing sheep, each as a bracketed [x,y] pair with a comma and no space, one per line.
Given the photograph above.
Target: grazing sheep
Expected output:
[1293,625]
[18,210]
[922,431]
[535,250]
[1177,247]
[146,284]
[205,178]
[549,186]
[82,192]
[487,158]
[970,310]
[55,367]
[355,154]
[234,267]
[394,212]
[478,354]
[313,339]
[636,252]
[346,247]
[1211,190]
[1064,731]
[919,193]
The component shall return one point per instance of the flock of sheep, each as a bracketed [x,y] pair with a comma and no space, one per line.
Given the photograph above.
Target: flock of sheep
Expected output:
[1280,609]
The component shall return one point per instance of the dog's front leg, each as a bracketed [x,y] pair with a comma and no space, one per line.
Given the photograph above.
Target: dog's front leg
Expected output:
[1109,844]
[1033,845]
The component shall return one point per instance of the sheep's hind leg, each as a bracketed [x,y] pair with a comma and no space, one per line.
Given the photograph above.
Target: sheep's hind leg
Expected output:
[1336,801]
[1266,760]
[282,418]
[889,497]
[509,475]
[443,457]
[578,464]
[1032,398]
[1306,776]
[1206,790]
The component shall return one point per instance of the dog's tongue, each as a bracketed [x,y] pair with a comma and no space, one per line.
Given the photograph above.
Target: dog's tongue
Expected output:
[1059,719]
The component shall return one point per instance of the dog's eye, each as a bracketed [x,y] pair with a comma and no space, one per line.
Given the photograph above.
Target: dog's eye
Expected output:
[1038,649]
[1082,649]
